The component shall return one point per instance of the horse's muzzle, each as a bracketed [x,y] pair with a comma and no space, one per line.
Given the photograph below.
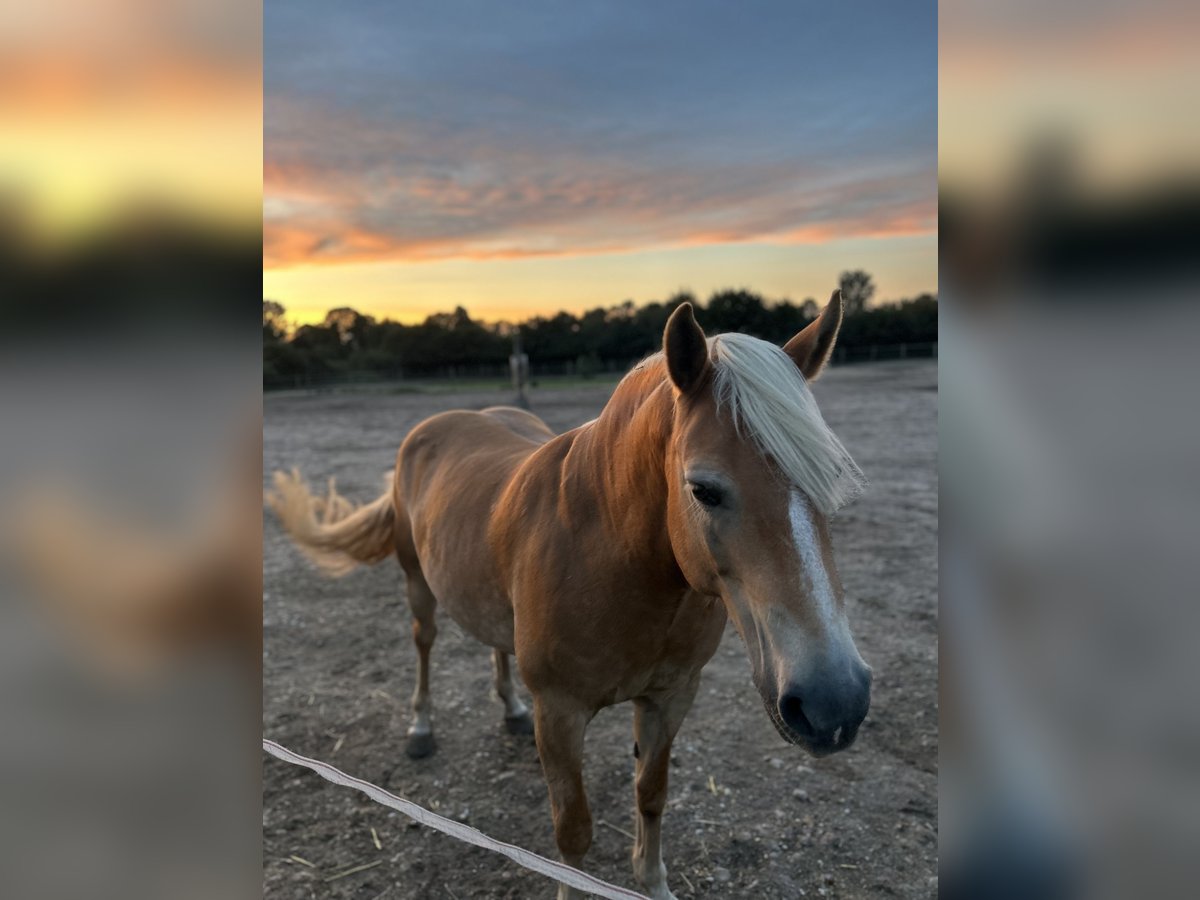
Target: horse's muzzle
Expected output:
[823,714]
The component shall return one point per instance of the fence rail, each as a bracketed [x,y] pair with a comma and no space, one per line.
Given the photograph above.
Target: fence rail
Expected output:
[873,352]
[557,871]
[584,367]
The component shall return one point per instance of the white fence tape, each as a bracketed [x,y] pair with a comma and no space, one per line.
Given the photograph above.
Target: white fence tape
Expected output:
[558,871]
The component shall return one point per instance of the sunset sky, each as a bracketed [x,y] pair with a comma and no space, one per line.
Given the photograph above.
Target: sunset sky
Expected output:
[523,158]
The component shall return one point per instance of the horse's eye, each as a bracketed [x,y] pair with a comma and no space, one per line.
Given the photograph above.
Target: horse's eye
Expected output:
[706,494]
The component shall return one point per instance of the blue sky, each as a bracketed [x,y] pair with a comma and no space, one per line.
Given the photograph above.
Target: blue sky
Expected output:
[467,137]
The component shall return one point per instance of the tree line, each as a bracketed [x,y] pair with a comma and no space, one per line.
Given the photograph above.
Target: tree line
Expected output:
[348,344]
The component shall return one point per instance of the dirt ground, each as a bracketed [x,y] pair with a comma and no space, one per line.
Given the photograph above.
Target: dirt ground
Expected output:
[749,816]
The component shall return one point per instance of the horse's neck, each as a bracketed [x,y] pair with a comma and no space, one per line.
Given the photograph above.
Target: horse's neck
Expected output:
[622,459]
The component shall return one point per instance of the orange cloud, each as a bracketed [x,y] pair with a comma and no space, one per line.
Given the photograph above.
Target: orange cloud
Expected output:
[285,247]
[313,217]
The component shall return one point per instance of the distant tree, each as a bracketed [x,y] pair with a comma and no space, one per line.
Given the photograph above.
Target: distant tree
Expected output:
[784,320]
[556,338]
[274,326]
[459,320]
[626,310]
[908,321]
[317,339]
[456,339]
[649,322]
[857,291]
[738,310]
[348,343]
[350,325]
[503,328]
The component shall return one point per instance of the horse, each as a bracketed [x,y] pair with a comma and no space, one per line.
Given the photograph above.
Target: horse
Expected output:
[609,558]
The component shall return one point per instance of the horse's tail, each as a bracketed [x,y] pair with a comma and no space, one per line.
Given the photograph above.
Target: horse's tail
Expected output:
[330,530]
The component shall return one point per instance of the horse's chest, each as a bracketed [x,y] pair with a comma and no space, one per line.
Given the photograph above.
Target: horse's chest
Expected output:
[690,640]
[655,658]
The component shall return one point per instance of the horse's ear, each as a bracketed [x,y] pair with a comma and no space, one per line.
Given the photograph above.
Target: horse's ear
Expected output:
[812,347]
[685,348]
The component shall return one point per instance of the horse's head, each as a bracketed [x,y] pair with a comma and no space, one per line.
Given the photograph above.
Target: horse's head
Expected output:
[753,472]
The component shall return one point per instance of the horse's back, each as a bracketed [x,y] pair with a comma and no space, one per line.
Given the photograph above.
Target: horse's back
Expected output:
[521,422]
[450,470]
[479,446]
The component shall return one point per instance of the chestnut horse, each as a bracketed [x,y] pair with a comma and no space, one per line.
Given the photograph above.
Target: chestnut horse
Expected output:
[608,558]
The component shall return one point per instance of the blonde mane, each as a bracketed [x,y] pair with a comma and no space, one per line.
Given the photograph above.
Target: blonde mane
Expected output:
[772,405]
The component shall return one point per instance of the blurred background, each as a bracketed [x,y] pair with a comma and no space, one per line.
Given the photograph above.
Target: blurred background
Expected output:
[1069,214]
[130,610]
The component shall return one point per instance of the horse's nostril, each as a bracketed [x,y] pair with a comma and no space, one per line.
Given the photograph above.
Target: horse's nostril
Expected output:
[791,708]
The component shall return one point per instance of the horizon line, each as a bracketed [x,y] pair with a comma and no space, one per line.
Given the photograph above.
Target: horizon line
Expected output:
[768,302]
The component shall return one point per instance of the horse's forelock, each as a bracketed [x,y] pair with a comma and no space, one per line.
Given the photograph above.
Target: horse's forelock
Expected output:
[772,406]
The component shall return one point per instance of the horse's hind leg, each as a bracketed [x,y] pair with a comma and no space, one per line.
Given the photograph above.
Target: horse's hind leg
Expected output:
[516,715]
[655,723]
[560,730]
[423,605]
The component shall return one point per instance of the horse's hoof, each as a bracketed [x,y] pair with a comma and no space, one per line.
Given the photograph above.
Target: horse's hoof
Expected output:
[522,724]
[420,745]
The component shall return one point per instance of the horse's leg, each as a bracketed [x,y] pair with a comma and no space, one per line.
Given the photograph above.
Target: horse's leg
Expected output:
[423,604]
[655,722]
[516,715]
[560,729]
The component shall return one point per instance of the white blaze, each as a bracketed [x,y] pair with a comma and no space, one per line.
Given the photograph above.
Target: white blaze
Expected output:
[804,536]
